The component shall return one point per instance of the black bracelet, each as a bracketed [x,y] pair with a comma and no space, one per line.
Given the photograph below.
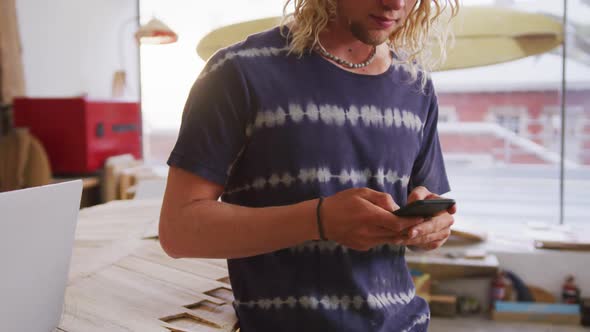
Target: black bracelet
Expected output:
[319,220]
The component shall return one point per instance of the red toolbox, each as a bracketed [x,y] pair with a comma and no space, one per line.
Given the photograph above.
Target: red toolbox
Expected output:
[79,134]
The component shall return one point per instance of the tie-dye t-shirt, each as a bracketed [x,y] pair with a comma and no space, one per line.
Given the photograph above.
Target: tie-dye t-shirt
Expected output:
[276,129]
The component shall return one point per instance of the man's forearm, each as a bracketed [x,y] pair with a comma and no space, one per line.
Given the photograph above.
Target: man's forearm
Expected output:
[211,229]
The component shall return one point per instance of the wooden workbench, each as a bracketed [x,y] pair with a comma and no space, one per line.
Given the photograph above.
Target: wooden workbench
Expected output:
[121,279]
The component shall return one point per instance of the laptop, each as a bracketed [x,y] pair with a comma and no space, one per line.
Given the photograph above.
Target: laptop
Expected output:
[36,238]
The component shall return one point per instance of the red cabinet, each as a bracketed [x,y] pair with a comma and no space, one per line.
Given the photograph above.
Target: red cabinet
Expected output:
[79,134]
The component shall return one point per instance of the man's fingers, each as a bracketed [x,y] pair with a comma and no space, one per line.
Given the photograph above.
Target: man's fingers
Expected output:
[397,224]
[429,241]
[434,245]
[418,193]
[433,196]
[433,226]
[385,218]
[382,200]
[421,192]
[452,209]
[441,235]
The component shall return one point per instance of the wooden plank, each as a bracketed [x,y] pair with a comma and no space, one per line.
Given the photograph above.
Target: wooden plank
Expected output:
[85,264]
[562,245]
[153,294]
[80,320]
[112,297]
[532,317]
[191,282]
[440,267]
[219,262]
[223,314]
[152,252]
[92,305]
[109,310]
[139,297]
[156,298]
[469,235]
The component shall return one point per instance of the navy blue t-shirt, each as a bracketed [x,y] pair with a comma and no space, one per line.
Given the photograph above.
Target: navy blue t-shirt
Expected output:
[276,129]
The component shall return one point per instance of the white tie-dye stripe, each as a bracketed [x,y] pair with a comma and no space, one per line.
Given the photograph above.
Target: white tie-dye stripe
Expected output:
[324,175]
[402,67]
[332,247]
[367,115]
[423,319]
[333,302]
[246,53]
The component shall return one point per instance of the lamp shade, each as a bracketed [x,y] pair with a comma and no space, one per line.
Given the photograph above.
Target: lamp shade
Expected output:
[483,36]
[155,32]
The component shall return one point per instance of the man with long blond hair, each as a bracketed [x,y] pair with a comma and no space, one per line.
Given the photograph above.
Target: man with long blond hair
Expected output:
[312,133]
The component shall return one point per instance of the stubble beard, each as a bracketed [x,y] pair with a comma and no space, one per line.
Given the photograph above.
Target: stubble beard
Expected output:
[362,34]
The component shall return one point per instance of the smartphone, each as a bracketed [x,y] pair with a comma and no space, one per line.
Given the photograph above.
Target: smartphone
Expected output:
[425,208]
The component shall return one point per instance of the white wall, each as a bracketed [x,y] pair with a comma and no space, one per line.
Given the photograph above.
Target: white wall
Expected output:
[71,47]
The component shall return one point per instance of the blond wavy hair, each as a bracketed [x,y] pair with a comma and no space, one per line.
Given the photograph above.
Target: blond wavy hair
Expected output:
[426,29]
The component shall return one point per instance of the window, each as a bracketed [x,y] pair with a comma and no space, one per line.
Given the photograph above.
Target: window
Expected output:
[506,144]
[512,118]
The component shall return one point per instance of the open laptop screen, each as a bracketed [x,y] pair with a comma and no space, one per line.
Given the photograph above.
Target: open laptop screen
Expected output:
[36,238]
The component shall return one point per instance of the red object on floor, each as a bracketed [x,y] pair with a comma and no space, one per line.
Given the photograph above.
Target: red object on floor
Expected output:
[80,134]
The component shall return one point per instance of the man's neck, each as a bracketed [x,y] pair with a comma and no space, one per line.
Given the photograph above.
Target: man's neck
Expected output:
[339,40]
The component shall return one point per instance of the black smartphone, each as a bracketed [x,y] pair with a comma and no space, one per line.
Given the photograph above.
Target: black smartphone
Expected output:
[425,208]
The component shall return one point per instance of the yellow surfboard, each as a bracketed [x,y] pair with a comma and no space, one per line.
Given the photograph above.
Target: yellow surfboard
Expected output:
[483,36]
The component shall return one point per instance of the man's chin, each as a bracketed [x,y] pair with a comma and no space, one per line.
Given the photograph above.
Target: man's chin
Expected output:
[368,36]
[375,40]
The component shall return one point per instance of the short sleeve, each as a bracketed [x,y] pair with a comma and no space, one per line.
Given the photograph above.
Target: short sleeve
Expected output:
[214,121]
[429,169]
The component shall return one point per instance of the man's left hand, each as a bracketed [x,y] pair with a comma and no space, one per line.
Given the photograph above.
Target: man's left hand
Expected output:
[434,232]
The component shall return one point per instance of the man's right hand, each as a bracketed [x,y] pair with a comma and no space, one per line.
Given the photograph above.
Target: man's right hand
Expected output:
[361,218]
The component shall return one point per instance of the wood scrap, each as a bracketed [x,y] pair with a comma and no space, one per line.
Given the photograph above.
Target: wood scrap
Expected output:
[562,245]
[443,305]
[441,267]
[541,295]
[469,236]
